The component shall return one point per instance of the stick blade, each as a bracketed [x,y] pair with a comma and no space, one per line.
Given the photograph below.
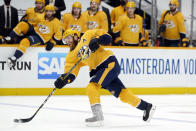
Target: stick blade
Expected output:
[22,120]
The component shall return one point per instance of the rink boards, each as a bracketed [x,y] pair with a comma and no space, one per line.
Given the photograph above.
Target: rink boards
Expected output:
[143,70]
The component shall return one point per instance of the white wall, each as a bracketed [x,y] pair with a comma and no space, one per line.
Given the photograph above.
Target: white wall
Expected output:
[140,67]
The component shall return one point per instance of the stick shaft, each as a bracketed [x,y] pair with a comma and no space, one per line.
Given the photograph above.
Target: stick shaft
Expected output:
[29,119]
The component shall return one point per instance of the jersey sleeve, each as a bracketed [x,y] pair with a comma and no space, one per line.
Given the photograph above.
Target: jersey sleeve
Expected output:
[118,25]
[64,21]
[162,17]
[117,28]
[84,25]
[28,11]
[104,19]
[141,24]
[70,61]
[90,34]
[57,31]
[112,15]
[181,24]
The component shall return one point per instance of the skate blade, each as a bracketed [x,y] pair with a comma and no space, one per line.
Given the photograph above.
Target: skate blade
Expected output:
[151,113]
[9,63]
[95,124]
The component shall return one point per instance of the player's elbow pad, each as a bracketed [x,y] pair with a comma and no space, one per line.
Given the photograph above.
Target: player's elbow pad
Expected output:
[105,39]
[93,45]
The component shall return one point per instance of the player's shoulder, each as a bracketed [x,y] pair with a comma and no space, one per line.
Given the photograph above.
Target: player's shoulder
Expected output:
[56,21]
[178,13]
[101,13]
[30,10]
[117,8]
[67,14]
[122,17]
[164,12]
[89,31]
[138,17]
[82,15]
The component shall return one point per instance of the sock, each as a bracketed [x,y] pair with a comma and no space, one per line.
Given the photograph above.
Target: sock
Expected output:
[18,54]
[142,105]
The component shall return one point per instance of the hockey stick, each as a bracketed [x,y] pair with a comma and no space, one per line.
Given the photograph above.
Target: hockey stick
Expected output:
[29,119]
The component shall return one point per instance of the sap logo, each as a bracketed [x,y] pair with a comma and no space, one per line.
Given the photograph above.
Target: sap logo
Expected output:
[50,65]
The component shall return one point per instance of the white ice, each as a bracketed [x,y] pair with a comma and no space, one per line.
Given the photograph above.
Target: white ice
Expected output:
[67,113]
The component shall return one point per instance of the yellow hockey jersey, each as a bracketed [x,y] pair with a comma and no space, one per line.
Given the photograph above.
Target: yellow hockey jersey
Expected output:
[34,17]
[68,21]
[95,58]
[174,25]
[47,29]
[129,28]
[97,21]
[116,12]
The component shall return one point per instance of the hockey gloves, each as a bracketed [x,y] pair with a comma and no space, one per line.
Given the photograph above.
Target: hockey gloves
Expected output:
[143,42]
[185,42]
[162,28]
[64,80]
[84,52]
[49,46]
[119,43]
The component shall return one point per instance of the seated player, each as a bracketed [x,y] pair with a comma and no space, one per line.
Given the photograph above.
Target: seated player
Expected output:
[96,19]
[172,27]
[104,71]
[32,16]
[128,28]
[75,20]
[47,31]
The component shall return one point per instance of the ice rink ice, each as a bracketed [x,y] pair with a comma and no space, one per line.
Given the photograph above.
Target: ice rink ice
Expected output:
[67,113]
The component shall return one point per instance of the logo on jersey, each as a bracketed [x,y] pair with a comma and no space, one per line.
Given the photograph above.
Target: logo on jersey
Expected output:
[50,65]
[43,29]
[170,24]
[92,25]
[133,28]
[75,27]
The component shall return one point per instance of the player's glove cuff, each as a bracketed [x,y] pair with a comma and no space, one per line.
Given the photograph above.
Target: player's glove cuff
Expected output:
[162,28]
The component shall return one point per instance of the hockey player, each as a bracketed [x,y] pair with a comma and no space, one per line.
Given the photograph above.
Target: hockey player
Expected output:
[172,27]
[104,71]
[128,29]
[36,13]
[75,20]
[47,32]
[96,19]
[32,16]
[118,11]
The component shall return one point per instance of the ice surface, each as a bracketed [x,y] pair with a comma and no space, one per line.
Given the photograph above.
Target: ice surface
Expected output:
[67,113]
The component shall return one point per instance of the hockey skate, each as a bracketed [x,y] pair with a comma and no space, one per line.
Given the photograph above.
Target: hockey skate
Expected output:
[97,119]
[148,113]
[11,61]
